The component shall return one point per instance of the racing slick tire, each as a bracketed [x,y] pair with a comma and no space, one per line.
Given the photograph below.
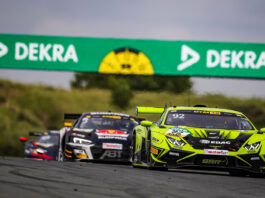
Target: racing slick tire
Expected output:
[257,175]
[150,161]
[60,156]
[133,149]
[237,173]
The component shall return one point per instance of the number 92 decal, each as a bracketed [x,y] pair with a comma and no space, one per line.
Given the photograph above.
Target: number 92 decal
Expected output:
[178,116]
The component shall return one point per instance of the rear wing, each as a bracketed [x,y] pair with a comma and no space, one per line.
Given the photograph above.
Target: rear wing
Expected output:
[140,119]
[53,132]
[70,116]
[34,133]
[149,110]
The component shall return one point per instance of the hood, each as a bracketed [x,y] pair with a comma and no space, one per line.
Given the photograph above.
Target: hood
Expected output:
[211,138]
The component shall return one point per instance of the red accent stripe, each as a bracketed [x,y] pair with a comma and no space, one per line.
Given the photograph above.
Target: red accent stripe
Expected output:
[42,156]
[35,144]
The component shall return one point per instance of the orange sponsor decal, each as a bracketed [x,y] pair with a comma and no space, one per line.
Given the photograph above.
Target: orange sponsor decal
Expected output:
[153,150]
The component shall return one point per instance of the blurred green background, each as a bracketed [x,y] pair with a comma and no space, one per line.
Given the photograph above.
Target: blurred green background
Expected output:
[25,107]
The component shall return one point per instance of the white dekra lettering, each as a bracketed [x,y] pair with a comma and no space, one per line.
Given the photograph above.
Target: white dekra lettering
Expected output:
[45,52]
[234,59]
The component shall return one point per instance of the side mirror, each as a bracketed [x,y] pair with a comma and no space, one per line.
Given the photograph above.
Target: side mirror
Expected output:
[23,139]
[68,124]
[146,123]
[262,130]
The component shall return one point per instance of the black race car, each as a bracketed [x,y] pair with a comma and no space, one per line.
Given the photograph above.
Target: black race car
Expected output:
[45,147]
[99,136]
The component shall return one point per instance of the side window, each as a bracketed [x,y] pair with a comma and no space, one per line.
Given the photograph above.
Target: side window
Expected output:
[76,123]
[245,125]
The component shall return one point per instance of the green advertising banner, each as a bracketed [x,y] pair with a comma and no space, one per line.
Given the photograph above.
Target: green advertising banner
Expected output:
[132,57]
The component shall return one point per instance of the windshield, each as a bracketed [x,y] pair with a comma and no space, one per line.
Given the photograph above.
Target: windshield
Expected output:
[107,123]
[213,120]
[48,139]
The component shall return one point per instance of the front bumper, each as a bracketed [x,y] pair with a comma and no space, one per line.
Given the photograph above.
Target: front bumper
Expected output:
[180,158]
[96,152]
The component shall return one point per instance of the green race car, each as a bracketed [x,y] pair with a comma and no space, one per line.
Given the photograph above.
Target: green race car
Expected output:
[208,138]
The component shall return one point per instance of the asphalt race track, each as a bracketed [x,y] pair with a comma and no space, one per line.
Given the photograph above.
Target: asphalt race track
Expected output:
[29,178]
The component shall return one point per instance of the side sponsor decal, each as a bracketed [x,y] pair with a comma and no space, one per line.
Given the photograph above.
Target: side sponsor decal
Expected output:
[78,135]
[154,151]
[156,141]
[173,153]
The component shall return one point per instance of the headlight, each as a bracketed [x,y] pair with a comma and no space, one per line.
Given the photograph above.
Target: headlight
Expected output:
[252,146]
[176,142]
[46,144]
[81,141]
[40,151]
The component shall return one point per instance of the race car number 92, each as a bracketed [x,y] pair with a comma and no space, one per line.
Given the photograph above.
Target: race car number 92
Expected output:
[178,116]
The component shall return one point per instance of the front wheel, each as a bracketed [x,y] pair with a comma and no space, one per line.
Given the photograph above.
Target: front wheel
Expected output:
[237,173]
[133,150]
[61,156]
[257,175]
[151,164]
